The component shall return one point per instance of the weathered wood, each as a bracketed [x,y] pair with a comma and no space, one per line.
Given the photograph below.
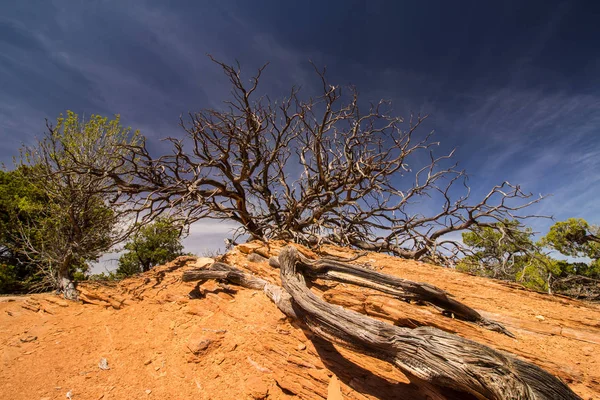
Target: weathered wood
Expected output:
[226,273]
[430,354]
[334,270]
[432,357]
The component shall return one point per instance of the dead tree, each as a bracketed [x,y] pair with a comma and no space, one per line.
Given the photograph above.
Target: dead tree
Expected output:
[429,356]
[316,170]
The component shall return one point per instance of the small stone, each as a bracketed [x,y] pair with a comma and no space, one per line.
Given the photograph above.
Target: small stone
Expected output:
[156,368]
[301,346]
[540,317]
[103,364]
[148,391]
[147,362]
[204,339]
[232,347]
[69,394]
[247,248]
[257,388]
[204,262]
[194,308]
[28,339]
[199,345]
[274,262]
[256,258]
[288,383]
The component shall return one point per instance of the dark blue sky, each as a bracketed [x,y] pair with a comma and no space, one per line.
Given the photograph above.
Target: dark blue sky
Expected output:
[514,85]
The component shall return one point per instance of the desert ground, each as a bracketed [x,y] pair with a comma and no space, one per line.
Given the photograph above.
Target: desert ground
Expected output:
[147,337]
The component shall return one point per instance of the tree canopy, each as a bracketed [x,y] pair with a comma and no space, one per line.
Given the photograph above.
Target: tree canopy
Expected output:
[152,245]
[499,252]
[21,203]
[78,221]
[574,237]
[516,257]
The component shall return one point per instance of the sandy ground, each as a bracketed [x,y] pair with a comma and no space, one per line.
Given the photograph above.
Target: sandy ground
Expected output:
[159,343]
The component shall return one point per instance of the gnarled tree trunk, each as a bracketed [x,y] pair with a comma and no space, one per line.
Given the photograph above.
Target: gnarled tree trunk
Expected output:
[65,281]
[437,360]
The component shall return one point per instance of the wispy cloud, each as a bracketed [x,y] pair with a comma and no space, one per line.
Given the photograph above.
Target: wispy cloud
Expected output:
[490,89]
[543,141]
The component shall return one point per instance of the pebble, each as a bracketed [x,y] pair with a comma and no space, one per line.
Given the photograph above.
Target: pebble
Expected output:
[587,350]
[147,362]
[103,364]
[148,391]
[199,344]
[257,388]
[204,262]
[540,317]
[256,258]
[301,346]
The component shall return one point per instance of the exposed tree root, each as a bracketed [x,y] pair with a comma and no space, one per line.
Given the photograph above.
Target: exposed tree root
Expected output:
[334,270]
[438,360]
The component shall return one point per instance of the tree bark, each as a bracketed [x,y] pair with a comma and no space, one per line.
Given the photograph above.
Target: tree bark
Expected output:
[65,282]
[334,270]
[433,358]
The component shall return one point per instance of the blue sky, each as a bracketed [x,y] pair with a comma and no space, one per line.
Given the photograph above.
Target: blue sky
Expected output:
[513,85]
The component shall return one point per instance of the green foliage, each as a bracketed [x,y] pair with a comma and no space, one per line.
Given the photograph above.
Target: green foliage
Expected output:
[21,204]
[507,251]
[499,251]
[9,282]
[574,237]
[538,270]
[591,270]
[76,223]
[104,276]
[72,140]
[154,244]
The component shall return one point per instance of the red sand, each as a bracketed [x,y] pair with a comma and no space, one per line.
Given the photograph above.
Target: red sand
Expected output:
[161,344]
